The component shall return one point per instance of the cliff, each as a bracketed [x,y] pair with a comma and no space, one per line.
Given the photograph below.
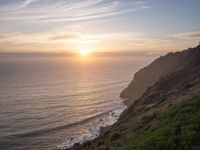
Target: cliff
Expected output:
[164,114]
[148,76]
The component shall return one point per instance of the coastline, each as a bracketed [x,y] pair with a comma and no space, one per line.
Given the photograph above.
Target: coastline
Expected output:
[102,123]
[145,113]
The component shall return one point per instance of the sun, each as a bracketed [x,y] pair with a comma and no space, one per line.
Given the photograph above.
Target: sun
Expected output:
[84,52]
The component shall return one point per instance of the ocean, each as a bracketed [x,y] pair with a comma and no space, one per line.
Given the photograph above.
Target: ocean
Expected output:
[52,102]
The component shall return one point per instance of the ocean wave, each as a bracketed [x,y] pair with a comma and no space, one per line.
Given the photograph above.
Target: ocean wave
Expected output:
[46,131]
[105,120]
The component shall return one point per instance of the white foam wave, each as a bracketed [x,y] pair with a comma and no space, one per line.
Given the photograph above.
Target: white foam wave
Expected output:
[106,120]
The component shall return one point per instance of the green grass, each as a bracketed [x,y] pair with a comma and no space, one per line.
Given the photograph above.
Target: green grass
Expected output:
[177,129]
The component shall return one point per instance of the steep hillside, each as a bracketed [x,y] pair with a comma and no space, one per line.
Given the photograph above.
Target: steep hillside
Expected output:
[146,77]
[148,119]
[178,128]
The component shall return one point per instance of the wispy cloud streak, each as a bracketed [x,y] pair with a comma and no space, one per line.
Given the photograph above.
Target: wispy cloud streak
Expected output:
[186,35]
[65,10]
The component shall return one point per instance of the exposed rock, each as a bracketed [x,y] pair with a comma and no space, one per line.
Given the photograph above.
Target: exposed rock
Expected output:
[165,65]
[114,137]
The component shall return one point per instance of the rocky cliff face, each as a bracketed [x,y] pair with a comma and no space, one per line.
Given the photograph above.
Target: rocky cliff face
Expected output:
[148,76]
[169,80]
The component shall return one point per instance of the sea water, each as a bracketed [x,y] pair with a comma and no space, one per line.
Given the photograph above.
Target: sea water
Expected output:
[52,102]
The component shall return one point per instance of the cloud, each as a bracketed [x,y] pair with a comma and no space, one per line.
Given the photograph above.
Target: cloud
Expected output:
[27,2]
[64,37]
[186,35]
[64,10]
[2,37]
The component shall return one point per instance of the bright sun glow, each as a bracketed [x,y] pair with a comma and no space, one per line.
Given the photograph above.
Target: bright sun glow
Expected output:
[84,52]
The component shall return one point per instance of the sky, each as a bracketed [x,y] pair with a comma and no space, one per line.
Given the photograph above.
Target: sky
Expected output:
[98,25]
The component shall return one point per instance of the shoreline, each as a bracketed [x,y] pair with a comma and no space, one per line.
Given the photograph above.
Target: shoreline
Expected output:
[107,120]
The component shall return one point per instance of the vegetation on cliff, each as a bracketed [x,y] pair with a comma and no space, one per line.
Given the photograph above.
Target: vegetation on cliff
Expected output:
[177,129]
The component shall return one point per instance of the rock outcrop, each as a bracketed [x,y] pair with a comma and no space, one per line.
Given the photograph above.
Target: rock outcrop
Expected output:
[163,66]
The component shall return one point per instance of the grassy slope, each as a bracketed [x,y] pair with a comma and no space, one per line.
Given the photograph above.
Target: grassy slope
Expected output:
[177,129]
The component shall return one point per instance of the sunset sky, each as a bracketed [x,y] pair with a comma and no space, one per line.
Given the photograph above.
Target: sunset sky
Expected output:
[98,25]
